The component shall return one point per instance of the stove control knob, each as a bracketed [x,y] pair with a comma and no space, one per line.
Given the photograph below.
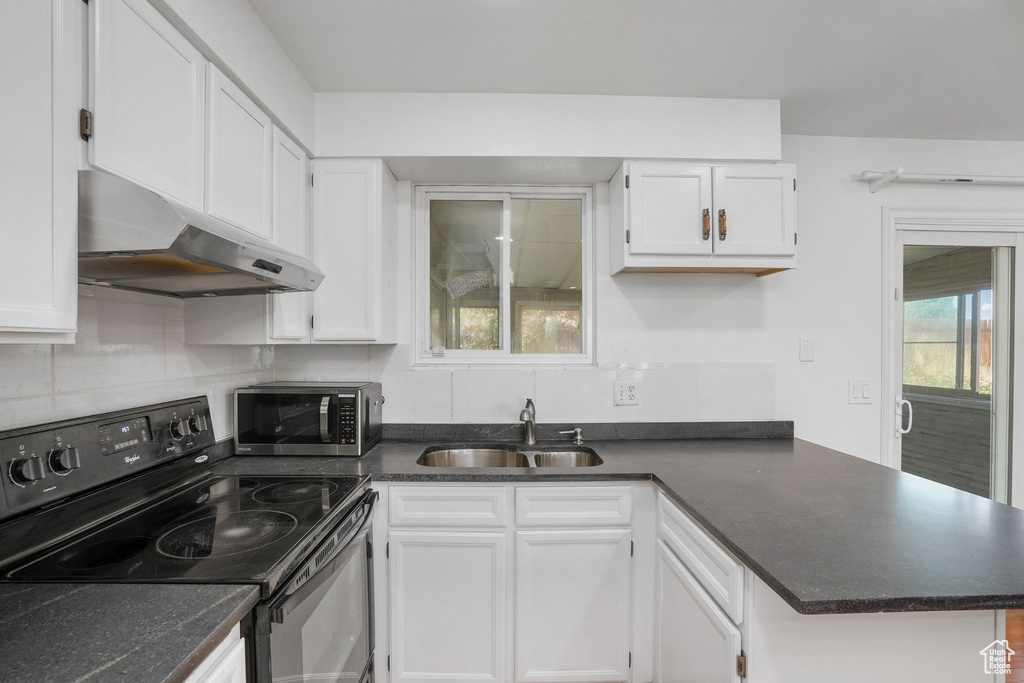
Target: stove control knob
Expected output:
[198,424]
[179,429]
[28,470]
[63,460]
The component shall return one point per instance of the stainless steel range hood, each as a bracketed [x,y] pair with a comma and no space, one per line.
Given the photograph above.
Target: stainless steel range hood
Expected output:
[132,238]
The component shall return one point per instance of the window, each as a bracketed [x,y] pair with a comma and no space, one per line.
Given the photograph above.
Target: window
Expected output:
[504,275]
[947,344]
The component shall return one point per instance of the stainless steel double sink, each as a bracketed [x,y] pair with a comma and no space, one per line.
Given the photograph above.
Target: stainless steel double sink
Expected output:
[509,456]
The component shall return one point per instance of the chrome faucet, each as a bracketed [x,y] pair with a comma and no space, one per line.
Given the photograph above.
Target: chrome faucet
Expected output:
[528,416]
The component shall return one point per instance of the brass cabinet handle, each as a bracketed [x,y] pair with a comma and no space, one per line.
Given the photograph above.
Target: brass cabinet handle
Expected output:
[707,224]
[722,227]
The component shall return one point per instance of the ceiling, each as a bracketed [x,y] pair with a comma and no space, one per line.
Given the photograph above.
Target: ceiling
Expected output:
[883,68]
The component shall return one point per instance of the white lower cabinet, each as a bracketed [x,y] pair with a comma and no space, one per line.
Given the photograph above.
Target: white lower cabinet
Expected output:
[447,595]
[475,596]
[549,598]
[573,605]
[694,640]
[226,664]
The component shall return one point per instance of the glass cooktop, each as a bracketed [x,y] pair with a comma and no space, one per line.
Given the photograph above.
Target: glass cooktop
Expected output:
[222,530]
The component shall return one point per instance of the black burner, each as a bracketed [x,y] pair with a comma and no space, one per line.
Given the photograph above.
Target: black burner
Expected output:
[298,491]
[103,553]
[228,487]
[223,529]
[226,534]
[162,515]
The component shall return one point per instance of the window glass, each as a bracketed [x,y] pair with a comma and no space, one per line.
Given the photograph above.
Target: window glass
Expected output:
[547,275]
[930,342]
[506,274]
[985,343]
[465,267]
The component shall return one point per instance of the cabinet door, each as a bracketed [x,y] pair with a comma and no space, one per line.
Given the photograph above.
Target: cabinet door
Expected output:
[694,641]
[755,210]
[147,97]
[573,605]
[239,153]
[290,312]
[38,174]
[667,205]
[229,669]
[346,247]
[447,593]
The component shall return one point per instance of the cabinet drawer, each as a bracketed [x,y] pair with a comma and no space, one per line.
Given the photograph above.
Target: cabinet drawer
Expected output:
[718,571]
[447,506]
[573,505]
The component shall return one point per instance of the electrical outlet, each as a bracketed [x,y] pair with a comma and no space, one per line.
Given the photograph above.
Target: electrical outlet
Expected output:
[627,394]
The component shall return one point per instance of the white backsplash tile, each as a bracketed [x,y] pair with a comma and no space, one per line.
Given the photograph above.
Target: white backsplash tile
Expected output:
[322,363]
[736,391]
[420,396]
[118,343]
[27,370]
[23,412]
[577,395]
[667,393]
[129,352]
[490,396]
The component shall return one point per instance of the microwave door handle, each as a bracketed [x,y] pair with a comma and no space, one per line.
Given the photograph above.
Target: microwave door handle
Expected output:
[292,599]
[325,409]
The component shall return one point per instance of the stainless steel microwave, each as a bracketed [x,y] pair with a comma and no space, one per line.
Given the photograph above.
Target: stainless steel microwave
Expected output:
[308,418]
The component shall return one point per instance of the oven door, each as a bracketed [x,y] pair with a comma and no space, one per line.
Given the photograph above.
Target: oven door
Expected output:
[319,627]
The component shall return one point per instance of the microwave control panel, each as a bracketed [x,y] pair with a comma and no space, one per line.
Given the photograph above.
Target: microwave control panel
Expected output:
[348,430]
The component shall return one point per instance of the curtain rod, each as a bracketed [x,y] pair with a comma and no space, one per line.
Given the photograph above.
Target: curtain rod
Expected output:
[878,179]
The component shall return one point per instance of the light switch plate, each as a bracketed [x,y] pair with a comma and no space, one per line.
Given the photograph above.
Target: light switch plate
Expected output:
[861,390]
[806,350]
[627,393]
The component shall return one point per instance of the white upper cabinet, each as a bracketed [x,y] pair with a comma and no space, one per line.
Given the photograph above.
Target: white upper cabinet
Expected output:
[147,96]
[354,244]
[754,210]
[240,148]
[670,207]
[39,48]
[265,318]
[677,217]
[290,312]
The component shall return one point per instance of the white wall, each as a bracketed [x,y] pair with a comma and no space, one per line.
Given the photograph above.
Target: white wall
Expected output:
[516,125]
[716,346]
[129,352]
[232,35]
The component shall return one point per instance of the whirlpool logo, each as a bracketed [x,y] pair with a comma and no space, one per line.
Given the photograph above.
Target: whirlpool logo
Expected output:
[129,459]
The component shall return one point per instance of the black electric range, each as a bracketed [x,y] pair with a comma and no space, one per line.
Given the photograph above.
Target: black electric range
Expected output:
[128,497]
[220,530]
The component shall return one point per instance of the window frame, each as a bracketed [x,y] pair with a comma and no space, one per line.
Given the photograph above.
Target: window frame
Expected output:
[961,341]
[421,272]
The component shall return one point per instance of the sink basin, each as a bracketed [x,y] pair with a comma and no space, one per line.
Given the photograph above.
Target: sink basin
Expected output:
[502,456]
[474,457]
[566,459]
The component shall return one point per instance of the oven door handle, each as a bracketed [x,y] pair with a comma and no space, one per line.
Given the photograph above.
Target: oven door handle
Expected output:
[316,570]
[325,409]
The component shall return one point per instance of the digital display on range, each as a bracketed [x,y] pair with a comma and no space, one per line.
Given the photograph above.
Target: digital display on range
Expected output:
[119,436]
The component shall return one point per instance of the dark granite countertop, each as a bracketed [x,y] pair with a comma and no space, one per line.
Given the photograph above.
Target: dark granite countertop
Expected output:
[829,532]
[114,632]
